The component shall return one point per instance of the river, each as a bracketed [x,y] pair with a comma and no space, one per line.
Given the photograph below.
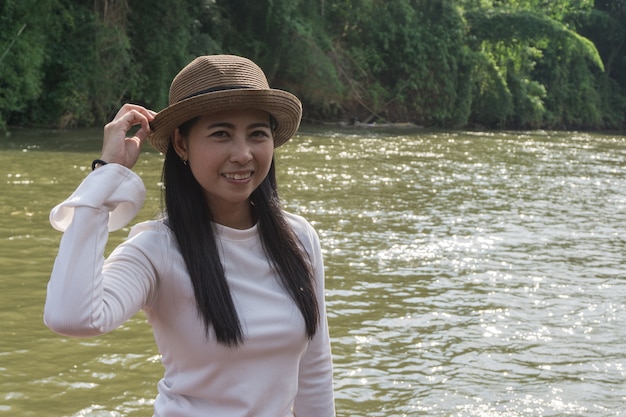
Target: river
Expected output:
[468,273]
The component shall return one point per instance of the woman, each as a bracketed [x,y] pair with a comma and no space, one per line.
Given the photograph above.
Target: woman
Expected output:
[232,285]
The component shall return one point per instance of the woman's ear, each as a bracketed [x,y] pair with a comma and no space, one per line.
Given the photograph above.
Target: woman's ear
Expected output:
[180,145]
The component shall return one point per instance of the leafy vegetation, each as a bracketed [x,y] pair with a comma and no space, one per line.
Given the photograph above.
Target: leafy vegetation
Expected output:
[521,64]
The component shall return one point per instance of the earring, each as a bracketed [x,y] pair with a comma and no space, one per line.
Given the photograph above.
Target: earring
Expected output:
[185,162]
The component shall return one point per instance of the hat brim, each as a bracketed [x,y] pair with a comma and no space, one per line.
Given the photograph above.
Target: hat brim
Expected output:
[281,105]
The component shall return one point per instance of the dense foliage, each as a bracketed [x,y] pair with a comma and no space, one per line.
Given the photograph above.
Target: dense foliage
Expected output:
[446,63]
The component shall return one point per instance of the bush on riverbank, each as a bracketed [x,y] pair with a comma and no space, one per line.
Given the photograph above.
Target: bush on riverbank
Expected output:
[445,63]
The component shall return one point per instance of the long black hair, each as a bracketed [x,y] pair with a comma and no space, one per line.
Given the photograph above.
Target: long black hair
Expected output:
[189,217]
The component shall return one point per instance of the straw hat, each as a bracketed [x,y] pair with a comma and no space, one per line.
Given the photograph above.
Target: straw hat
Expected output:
[224,82]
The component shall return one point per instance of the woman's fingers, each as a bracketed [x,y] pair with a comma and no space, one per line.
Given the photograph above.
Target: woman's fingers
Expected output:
[126,108]
[117,146]
[127,117]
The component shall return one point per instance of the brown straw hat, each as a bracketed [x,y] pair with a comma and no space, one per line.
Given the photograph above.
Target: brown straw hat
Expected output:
[224,82]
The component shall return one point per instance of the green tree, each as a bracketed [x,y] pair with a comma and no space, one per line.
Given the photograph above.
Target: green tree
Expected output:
[22,51]
[605,25]
[403,61]
[83,65]
[164,37]
[287,39]
[550,70]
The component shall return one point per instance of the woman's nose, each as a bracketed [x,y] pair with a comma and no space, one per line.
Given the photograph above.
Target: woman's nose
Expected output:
[241,151]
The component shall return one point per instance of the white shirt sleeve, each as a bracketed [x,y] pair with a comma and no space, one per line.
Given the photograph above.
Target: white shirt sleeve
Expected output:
[112,188]
[83,297]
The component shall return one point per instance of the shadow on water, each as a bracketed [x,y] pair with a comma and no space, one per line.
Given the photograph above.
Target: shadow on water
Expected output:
[70,140]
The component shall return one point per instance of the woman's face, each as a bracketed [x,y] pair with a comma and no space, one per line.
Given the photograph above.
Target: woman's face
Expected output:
[229,154]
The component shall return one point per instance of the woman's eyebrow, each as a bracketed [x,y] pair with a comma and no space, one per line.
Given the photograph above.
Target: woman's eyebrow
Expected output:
[259,124]
[232,126]
[221,124]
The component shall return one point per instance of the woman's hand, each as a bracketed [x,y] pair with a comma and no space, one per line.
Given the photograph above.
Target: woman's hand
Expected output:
[117,147]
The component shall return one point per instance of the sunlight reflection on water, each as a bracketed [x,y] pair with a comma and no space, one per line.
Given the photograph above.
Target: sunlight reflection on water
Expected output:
[471,275]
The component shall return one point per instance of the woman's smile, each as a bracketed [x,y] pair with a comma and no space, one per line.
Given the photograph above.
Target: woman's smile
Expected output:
[238,176]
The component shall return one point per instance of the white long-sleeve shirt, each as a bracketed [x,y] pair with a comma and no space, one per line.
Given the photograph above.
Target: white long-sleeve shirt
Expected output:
[277,372]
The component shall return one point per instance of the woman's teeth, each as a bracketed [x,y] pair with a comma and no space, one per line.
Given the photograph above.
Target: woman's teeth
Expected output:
[237,176]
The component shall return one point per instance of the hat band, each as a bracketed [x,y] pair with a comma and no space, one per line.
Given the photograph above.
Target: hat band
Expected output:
[214,89]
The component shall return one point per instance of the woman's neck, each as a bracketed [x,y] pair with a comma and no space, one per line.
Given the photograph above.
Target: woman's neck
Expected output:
[236,216]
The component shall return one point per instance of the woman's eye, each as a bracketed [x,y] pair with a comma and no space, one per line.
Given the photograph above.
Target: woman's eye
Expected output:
[260,134]
[220,134]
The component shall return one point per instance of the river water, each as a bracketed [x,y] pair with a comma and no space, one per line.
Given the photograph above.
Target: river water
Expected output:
[468,273]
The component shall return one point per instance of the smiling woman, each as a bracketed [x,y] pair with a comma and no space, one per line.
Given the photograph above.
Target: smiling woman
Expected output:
[224,275]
